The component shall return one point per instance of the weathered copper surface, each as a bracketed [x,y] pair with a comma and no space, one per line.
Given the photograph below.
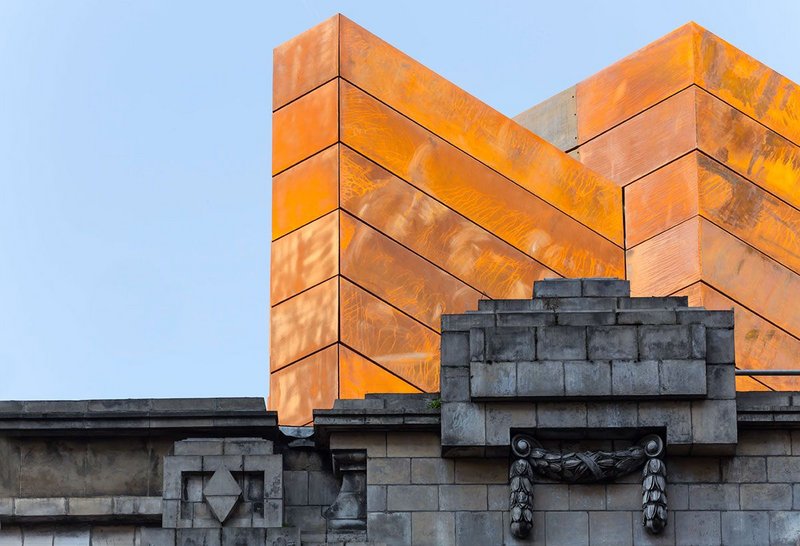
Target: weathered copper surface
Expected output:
[305,192]
[304,127]
[310,383]
[359,376]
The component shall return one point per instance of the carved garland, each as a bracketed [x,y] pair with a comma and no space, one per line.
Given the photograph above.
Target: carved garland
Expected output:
[587,467]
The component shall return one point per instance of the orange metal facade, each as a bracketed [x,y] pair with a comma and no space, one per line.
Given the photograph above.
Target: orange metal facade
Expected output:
[398,197]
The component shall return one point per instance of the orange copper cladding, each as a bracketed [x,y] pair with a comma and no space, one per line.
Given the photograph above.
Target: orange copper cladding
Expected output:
[305,192]
[316,310]
[742,144]
[635,83]
[436,232]
[759,344]
[480,131]
[392,339]
[304,127]
[469,187]
[305,385]
[646,142]
[400,277]
[358,376]
[305,62]
[305,257]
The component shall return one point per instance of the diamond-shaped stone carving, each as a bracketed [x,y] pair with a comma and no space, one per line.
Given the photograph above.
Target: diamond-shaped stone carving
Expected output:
[221,493]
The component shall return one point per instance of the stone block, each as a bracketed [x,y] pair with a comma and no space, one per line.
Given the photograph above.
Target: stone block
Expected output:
[295,483]
[307,518]
[477,344]
[744,469]
[711,319]
[432,470]
[675,416]
[745,528]
[504,305]
[561,343]
[199,446]
[389,528]
[46,506]
[497,496]
[550,496]
[567,528]
[634,378]
[510,343]
[646,316]
[623,496]
[574,304]
[677,495]
[10,536]
[765,496]
[481,471]
[542,378]
[466,321]
[232,536]
[714,423]
[409,498]
[698,528]
[557,288]
[664,342]
[173,468]
[113,536]
[721,381]
[199,537]
[612,342]
[170,514]
[152,536]
[784,527]
[51,467]
[454,384]
[6,507]
[611,528]
[662,302]
[376,498]
[587,497]
[234,463]
[714,496]
[323,487]
[719,346]
[248,446]
[611,415]
[764,442]
[682,377]
[502,417]
[697,337]
[561,415]
[641,537]
[463,424]
[536,538]
[119,467]
[693,469]
[434,528]
[396,470]
[587,378]
[462,497]
[374,443]
[529,318]
[91,506]
[493,380]
[783,469]
[605,287]
[70,537]
[455,347]
[479,528]
[413,444]
[585,318]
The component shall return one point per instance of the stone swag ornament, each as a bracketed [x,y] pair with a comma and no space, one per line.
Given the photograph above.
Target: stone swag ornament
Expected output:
[587,467]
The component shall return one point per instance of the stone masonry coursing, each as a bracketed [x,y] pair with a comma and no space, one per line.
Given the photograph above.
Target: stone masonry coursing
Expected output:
[398,470]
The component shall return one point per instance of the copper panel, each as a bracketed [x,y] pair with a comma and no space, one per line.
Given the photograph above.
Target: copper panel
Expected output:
[303,324]
[635,83]
[749,277]
[436,232]
[304,257]
[645,142]
[359,376]
[400,277]
[305,127]
[760,155]
[661,200]
[667,262]
[479,130]
[305,192]
[309,384]
[305,62]
[759,344]
[390,338]
[750,213]
[744,383]
[748,85]
[469,187]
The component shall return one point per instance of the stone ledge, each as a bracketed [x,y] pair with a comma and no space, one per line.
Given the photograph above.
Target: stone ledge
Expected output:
[768,409]
[80,509]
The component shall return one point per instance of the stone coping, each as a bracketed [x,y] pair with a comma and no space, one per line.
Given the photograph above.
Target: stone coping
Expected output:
[776,409]
[80,509]
[220,416]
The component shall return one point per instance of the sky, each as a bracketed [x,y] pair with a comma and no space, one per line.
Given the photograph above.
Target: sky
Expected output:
[135,163]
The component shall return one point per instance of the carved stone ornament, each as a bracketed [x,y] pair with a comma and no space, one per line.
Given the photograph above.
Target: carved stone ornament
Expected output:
[349,511]
[587,467]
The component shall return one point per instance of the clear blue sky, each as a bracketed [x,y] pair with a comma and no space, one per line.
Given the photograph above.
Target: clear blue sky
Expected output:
[135,160]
